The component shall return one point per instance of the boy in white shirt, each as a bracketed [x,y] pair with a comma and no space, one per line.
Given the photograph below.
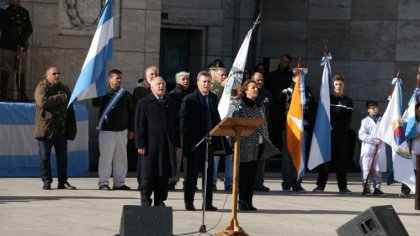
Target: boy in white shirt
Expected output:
[372,153]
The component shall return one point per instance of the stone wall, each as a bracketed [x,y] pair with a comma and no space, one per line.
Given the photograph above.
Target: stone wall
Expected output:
[55,41]
[369,40]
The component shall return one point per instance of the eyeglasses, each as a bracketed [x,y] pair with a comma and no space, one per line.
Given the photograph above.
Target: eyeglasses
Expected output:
[55,73]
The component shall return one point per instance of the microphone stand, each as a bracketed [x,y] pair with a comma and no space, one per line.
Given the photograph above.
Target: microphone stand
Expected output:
[206,138]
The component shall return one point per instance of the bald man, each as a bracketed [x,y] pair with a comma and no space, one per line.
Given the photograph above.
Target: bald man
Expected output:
[157,138]
[54,125]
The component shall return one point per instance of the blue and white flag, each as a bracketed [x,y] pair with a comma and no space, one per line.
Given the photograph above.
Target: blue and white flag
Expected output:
[320,151]
[92,79]
[391,131]
[409,116]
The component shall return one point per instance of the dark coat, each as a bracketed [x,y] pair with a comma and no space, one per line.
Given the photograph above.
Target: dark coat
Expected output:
[15,27]
[157,130]
[51,109]
[177,94]
[194,120]
[141,91]
[121,117]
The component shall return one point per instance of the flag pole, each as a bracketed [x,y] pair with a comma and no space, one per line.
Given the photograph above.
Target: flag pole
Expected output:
[256,22]
[417,196]
[375,153]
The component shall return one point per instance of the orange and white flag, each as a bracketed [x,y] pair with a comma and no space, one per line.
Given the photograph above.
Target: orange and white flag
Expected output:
[294,125]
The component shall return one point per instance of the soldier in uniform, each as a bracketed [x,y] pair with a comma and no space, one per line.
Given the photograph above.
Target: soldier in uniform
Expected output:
[16,27]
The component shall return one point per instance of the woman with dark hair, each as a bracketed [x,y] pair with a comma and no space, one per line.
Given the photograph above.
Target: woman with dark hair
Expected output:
[248,106]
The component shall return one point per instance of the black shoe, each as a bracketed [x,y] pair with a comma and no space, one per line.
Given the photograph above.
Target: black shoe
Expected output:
[189,206]
[251,206]
[159,203]
[104,187]
[228,189]
[366,191]
[378,191]
[47,186]
[171,186]
[243,205]
[210,207]
[299,189]
[66,185]
[262,188]
[345,190]
[124,187]
[318,190]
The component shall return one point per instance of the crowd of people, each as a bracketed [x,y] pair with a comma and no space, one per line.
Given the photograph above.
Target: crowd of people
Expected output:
[170,133]
[165,128]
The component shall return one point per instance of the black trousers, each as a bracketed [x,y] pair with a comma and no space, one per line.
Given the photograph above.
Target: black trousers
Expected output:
[247,172]
[338,159]
[194,162]
[158,185]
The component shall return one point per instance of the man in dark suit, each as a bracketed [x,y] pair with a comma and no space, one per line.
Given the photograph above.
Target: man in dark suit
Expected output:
[157,137]
[198,115]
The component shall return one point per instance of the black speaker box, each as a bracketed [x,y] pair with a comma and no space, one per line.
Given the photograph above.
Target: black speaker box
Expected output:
[375,221]
[140,220]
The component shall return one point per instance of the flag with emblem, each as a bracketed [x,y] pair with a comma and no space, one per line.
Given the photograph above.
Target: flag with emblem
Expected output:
[294,124]
[234,80]
[391,131]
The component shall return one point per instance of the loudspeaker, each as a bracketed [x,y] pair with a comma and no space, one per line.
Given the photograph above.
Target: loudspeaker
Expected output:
[141,220]
[375,221]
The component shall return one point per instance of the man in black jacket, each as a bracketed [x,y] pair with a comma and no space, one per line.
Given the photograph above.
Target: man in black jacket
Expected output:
[116,124]
[157,138]
[15,27]
[277,81]
[341,109]
[182,89]
[198,116]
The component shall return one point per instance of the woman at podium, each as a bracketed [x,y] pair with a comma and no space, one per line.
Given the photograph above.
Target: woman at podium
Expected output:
[249,106]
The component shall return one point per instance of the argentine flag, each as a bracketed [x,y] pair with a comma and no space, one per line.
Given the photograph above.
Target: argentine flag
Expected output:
[92,79]
[409,117]
[320,151]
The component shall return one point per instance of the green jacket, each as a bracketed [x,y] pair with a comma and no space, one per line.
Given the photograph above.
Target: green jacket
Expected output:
[51,115]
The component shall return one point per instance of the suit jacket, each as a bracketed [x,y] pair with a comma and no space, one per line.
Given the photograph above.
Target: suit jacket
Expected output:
[157,130]
[194,118]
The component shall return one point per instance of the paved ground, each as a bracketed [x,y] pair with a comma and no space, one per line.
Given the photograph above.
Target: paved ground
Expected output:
[25,209]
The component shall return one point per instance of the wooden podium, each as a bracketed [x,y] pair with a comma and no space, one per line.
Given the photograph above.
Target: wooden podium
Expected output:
[235,127]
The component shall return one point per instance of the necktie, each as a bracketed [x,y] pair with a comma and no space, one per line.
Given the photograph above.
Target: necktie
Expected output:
[207,99]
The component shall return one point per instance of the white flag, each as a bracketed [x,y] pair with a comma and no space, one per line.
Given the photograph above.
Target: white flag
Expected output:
[233,85]
[391,131]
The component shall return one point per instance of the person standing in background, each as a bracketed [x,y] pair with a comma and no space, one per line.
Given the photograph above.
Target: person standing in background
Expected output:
[16,28]
[341,108]
[116,124]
